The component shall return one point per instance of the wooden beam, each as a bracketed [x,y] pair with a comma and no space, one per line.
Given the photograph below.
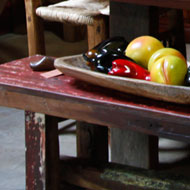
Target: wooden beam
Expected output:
[135,149]
[110,176]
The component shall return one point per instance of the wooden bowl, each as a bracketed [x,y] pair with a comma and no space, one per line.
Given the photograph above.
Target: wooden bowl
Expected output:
[75,66]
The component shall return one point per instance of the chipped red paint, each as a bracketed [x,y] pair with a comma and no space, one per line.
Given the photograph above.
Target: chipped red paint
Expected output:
[35,151]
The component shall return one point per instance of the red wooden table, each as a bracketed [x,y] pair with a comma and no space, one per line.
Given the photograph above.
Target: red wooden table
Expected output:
[66,97]
[25,89]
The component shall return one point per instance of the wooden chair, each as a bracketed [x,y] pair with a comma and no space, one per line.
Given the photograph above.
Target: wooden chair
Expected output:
[97,30]
[96,26]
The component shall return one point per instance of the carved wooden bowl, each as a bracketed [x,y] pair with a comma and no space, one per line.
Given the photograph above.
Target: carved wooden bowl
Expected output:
[75,66]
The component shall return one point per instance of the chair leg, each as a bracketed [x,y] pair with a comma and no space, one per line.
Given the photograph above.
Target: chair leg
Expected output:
[42,152]
[35,32]
[92,140]
[98,31]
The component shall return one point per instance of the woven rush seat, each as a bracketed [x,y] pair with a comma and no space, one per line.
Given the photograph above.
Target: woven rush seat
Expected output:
[71,14]
[67,15]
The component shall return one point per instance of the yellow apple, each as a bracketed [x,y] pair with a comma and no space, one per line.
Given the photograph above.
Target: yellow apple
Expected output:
[169,70]
[141,49]
[163,52]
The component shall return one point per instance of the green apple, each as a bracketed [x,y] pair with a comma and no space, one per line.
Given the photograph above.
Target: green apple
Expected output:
[141,49]
[169,70]
[163,52]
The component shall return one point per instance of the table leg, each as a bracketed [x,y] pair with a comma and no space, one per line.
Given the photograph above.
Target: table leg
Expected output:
[128,147]
[42,151]
[92,141]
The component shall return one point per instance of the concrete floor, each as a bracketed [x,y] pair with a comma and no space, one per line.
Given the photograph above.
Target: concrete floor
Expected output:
[12,146]
[12,155]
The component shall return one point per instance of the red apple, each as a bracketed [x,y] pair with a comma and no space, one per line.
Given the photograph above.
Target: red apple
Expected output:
[141,49]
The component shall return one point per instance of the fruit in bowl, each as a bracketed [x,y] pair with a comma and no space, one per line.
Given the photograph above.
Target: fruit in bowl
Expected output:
[141,49]
[161,53]
[169,69]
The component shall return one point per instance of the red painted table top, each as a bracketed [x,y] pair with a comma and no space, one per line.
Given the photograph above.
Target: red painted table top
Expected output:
[177,4]
[18,76]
